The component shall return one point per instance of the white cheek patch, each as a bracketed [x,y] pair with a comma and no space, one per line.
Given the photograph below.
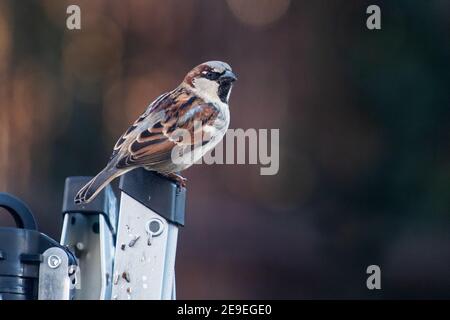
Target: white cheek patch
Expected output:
[206,89]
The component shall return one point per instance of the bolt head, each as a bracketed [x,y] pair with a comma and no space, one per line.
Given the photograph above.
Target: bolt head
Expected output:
[54,261]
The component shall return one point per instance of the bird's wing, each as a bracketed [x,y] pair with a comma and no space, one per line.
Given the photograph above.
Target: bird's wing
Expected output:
[155,142]
[127,134]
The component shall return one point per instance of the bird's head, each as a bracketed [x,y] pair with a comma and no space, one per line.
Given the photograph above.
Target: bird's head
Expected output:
[211,80]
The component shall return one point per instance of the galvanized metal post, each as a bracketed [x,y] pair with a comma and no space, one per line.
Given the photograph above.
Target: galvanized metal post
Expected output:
[151,210]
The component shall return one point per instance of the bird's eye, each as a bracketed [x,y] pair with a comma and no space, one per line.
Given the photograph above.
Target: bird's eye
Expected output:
[212,75]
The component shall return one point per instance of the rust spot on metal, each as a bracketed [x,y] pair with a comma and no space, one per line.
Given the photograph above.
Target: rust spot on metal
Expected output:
[133,241]
[126,276]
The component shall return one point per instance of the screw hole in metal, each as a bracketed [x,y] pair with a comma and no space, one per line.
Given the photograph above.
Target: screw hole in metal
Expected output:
[154,227]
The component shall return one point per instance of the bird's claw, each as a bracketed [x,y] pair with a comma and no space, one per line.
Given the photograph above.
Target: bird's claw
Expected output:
[179,180]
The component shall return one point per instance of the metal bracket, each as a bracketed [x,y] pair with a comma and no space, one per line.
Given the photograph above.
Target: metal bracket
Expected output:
[140,264]
[54,280]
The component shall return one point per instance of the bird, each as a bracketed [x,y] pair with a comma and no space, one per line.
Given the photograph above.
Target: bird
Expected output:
[198,106]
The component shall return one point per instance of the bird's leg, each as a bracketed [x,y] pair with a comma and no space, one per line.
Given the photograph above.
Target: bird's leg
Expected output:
[179,180]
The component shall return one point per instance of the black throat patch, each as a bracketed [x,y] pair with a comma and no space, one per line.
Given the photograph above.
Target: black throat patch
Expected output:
[224,89]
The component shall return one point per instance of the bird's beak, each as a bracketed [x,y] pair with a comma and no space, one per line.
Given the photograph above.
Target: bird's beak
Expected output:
[228,76]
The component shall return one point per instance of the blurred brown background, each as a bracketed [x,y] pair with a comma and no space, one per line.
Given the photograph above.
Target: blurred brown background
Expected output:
[364,133]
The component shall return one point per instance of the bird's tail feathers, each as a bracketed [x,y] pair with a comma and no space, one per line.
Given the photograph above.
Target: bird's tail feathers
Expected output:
[96,184]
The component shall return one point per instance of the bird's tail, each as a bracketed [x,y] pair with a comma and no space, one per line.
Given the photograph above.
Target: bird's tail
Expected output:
[93,187]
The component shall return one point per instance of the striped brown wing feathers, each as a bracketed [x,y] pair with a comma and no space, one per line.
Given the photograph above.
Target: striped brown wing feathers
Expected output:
[119,144]
[159,103]
[154,145]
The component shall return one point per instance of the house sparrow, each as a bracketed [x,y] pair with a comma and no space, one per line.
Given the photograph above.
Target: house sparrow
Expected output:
[199,105]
